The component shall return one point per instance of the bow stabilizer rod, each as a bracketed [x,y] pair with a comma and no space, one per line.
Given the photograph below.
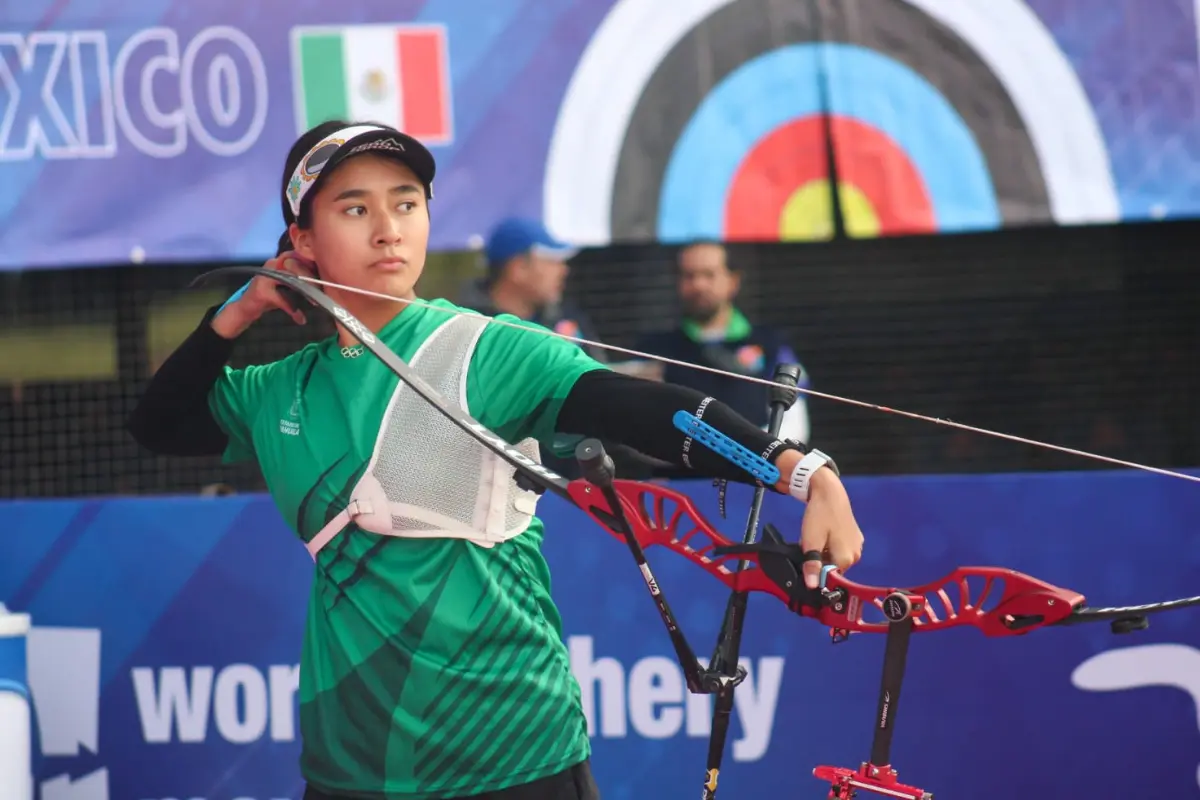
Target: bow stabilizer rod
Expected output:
[598,472]
[724,661]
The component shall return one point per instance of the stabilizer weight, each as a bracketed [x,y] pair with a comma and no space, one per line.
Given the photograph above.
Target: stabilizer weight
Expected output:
[597,465]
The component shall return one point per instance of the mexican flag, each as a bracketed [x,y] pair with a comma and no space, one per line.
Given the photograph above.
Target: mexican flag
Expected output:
[397,75]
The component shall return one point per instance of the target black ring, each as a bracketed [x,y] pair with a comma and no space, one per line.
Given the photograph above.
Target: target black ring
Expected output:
[744,30]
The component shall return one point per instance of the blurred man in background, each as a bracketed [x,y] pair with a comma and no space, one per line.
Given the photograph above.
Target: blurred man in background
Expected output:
[714,333]
[526,274]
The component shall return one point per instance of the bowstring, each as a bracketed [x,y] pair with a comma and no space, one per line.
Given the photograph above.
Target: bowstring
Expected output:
[637,354]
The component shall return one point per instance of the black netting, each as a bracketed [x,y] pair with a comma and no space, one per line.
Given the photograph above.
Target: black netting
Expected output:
[1084,337]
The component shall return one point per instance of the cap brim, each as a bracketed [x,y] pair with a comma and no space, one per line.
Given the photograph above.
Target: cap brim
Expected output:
[392,144]
[562,252]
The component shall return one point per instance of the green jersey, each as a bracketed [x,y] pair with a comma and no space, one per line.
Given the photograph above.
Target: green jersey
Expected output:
[432,665]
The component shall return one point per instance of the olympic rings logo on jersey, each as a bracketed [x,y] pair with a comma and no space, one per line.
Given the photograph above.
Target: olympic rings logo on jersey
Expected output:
[941,115]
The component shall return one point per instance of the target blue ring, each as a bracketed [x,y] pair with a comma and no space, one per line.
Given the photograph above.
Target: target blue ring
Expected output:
[780,86]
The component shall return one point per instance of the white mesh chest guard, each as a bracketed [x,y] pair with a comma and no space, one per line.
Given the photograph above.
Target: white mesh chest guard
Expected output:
[427,477]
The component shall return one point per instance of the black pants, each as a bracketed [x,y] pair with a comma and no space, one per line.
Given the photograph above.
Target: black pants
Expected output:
[575,783]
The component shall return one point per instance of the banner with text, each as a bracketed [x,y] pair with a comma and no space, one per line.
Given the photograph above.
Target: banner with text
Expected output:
[157,131]
[163,660]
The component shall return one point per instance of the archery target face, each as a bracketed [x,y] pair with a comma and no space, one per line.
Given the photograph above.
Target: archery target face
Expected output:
[712,118]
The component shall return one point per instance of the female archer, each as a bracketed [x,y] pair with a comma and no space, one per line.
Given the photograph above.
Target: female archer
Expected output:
[433,664]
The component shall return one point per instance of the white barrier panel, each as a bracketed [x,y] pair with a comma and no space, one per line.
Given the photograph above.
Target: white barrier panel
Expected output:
[16,731]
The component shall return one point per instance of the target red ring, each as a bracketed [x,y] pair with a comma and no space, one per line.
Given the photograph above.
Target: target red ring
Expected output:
[793,156]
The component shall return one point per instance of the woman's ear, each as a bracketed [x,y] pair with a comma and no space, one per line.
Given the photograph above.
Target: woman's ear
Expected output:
[301,241]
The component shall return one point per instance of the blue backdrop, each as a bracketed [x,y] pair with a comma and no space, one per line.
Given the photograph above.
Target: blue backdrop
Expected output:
[157,130]
[163,659]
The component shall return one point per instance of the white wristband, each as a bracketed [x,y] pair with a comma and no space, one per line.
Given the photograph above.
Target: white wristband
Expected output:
[798,484]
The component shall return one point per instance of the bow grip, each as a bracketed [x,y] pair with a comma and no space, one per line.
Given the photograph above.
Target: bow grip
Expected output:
[782,564]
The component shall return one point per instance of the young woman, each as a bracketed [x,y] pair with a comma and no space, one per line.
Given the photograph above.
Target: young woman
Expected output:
[433,664]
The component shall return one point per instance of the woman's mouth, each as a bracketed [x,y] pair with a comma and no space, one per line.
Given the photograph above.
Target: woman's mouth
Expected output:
[392,264]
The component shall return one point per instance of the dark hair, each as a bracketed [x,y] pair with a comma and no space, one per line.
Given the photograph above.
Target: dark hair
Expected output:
[701,241]
[730,264]
[284,244]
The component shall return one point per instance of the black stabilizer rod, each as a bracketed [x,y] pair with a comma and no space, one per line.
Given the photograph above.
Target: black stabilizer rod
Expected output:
[598,470]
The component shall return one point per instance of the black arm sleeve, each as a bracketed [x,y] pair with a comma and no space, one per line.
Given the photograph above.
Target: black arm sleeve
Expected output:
[638,413]
[172,416]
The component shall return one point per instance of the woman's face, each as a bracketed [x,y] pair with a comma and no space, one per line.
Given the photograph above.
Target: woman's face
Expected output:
[370,226]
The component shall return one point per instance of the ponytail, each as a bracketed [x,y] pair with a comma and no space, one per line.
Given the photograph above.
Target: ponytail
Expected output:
[285,244]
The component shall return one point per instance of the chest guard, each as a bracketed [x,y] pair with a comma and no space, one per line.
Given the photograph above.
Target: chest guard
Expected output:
[426,477]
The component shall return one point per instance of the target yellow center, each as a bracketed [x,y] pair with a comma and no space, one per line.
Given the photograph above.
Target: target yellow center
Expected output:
[807,216]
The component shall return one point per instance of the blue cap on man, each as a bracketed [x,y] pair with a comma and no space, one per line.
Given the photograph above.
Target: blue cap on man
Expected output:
[516,235]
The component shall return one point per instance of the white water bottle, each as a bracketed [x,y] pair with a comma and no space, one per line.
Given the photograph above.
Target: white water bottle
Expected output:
[16,729]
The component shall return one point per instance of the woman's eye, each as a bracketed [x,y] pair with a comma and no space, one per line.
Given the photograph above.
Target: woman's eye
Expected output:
[354,211]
